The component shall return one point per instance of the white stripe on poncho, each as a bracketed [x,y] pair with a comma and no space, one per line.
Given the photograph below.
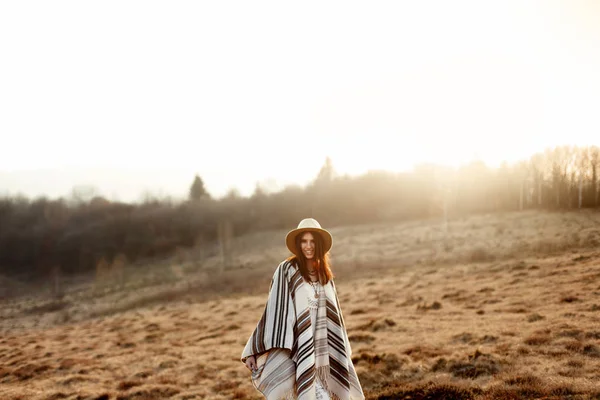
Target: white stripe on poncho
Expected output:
[290,356]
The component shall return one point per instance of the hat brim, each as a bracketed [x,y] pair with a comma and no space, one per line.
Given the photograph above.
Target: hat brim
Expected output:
[290,239]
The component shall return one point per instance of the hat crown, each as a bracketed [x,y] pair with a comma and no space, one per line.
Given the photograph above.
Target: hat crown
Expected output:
[309,223]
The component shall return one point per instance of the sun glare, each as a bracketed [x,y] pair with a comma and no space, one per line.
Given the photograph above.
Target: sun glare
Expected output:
[489,81]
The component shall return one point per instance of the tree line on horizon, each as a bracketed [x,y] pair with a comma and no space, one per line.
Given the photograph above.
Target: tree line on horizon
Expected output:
[40,236]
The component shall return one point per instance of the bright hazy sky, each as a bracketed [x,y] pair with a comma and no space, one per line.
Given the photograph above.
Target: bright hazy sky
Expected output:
[134,96]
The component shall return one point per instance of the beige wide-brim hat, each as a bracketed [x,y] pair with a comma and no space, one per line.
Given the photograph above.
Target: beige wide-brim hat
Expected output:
[308,225]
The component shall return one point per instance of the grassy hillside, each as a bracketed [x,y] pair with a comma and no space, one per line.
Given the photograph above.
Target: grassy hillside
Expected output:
[504,306]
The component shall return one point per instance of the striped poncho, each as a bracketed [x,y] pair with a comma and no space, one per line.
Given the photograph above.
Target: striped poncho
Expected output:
[290,353]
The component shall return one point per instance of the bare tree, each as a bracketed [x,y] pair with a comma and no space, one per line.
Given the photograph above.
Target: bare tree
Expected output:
[594,156]
[582,161]
[522,174]
[559,158]
[537,169]
[571,155]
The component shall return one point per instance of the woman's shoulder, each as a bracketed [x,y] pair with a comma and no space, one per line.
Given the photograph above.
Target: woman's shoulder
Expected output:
[286,267]
[332,283]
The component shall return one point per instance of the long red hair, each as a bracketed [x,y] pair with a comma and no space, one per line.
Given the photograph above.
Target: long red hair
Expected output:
[321,259]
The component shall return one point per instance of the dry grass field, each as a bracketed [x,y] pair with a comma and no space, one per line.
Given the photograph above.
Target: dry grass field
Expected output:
[489,307]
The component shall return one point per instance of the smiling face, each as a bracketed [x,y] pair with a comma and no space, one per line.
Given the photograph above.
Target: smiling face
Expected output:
[307,245]
[309,256]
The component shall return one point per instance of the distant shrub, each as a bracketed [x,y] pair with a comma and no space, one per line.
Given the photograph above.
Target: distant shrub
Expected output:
[591,350]
[359,338]
[477,365]
[436,305]
[126,385]
[537,339]
[569,299]
[480,254]
[534,317]
[522,380]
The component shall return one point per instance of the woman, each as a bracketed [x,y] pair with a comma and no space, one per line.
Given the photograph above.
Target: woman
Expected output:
[300,347]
